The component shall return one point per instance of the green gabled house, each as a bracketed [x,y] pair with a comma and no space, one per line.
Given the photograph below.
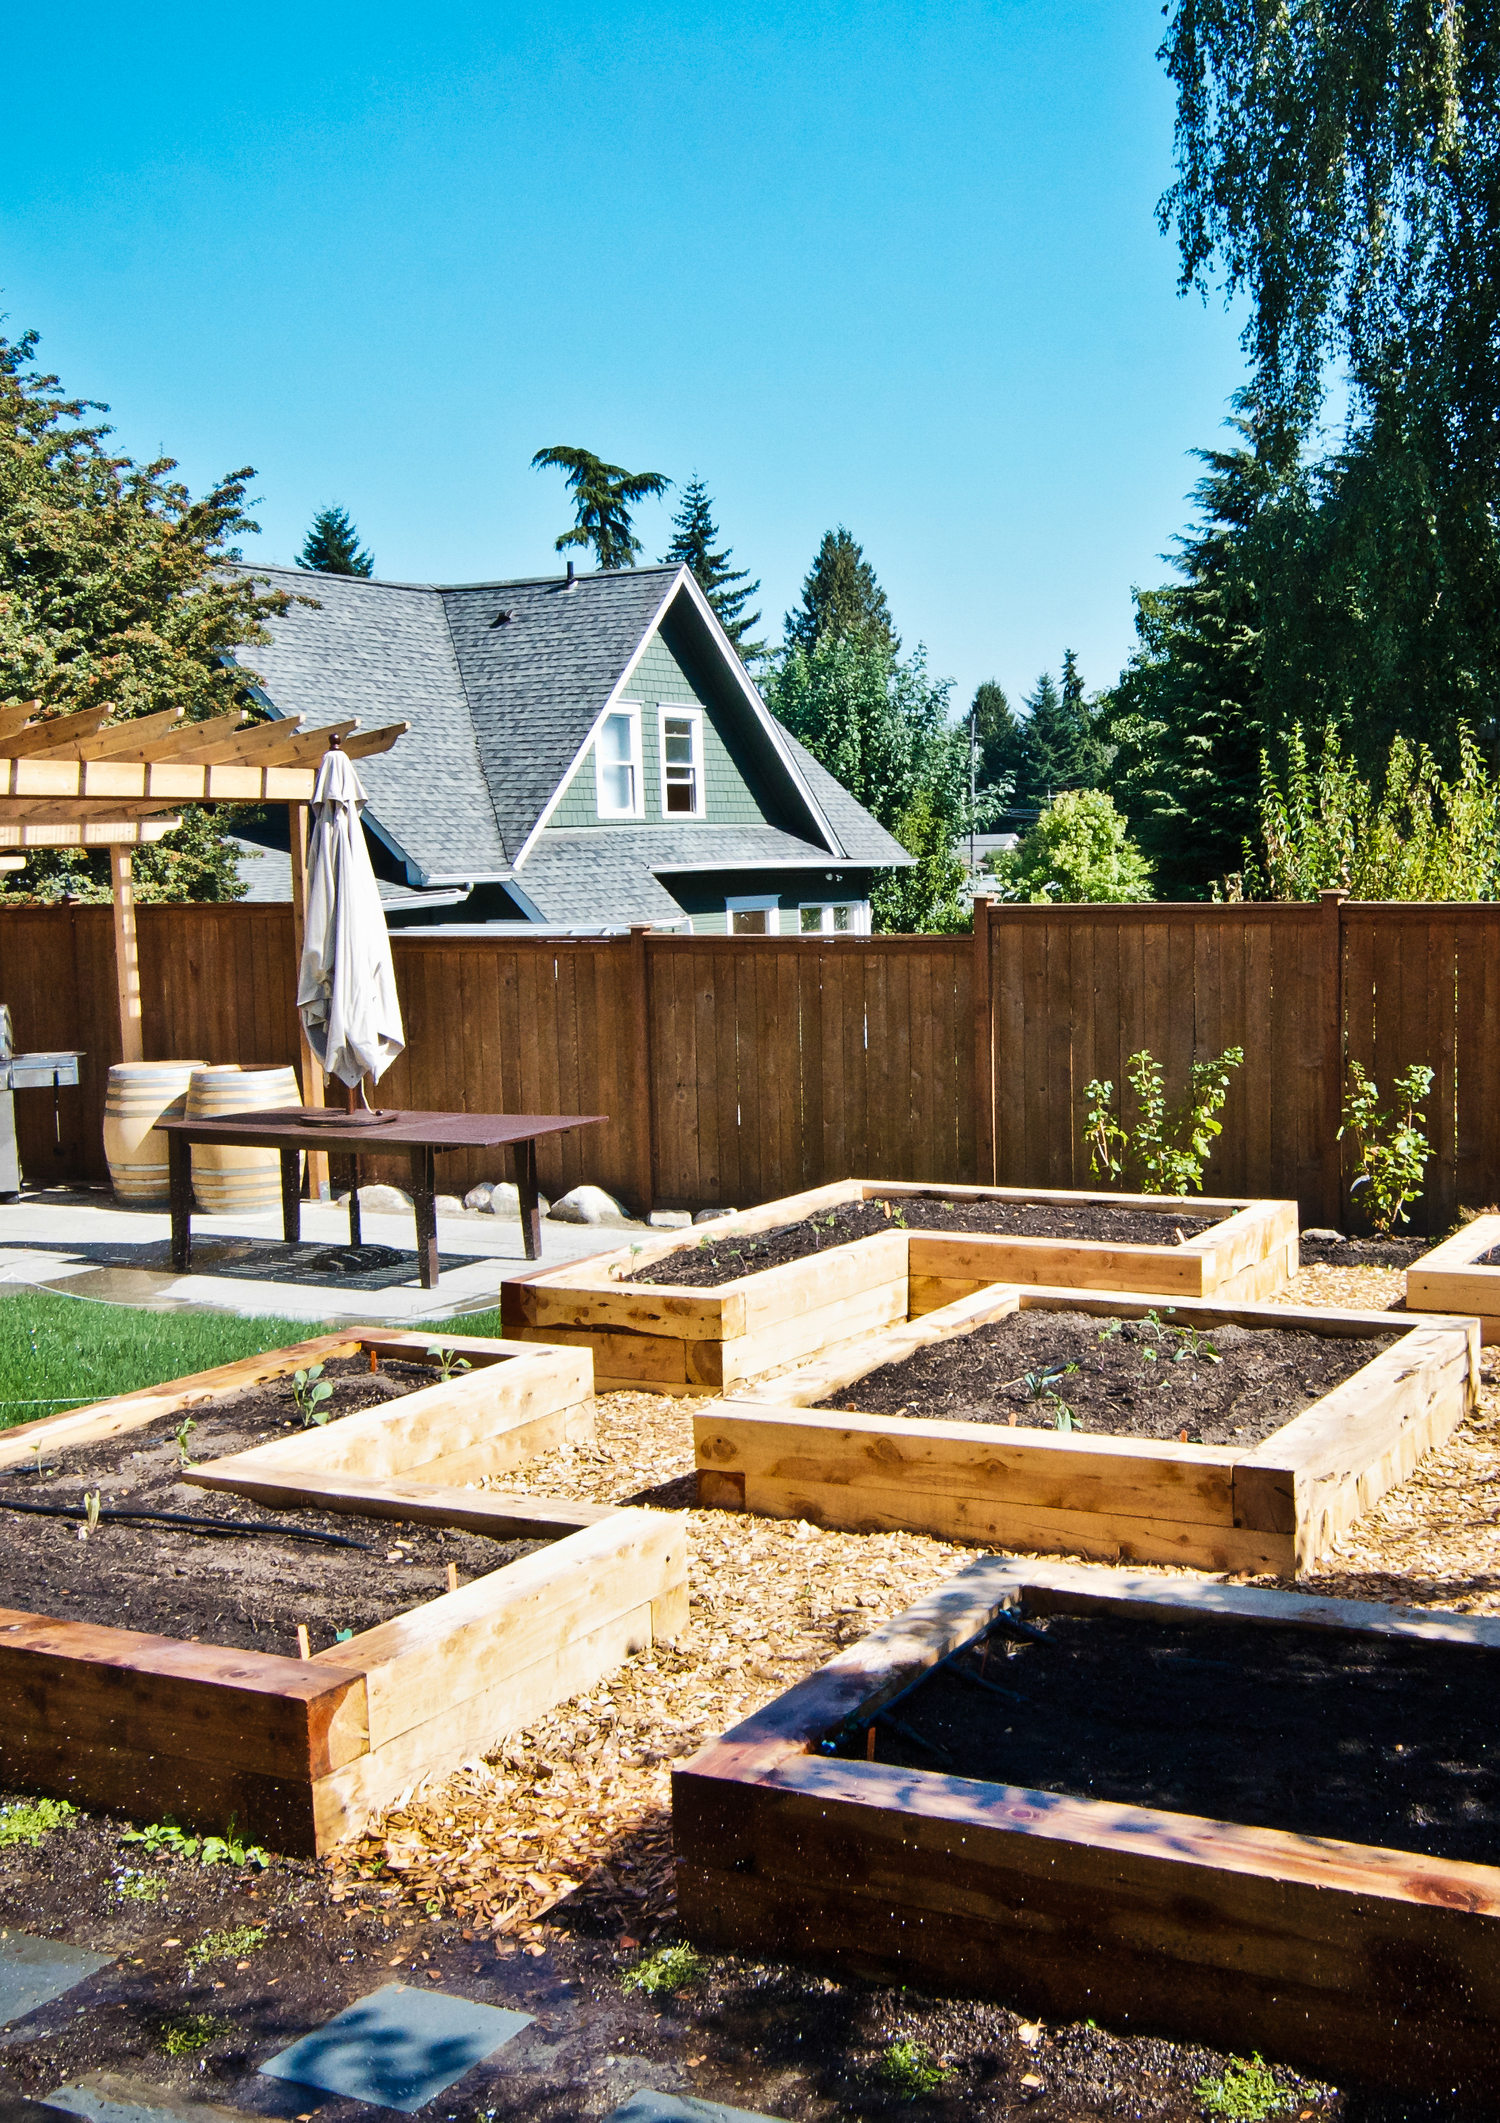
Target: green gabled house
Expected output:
[586,751]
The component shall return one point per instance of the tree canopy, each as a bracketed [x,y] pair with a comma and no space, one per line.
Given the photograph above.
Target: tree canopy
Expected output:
[332,546]
[1078,850]
[841,598]
[113,585]
[882,727]
[694,545]
[603,497]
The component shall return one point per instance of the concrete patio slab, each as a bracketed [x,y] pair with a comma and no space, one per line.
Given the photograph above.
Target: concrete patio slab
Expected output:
[648,2107]
[398,2048]
[87,1246]
[112,2097]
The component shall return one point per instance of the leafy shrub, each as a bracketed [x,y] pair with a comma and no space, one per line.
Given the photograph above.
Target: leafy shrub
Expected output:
[912,2070]
[1168,1147]
[1393,1151]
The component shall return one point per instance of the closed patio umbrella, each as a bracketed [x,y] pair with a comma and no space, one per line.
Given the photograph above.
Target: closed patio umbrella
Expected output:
[346,989]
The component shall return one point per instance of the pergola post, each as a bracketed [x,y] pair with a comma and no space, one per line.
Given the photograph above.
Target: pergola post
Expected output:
[127,956]
[311,1071]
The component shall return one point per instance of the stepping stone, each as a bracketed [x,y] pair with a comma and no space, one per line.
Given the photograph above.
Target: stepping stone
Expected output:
[35,1971]
[112,2097]
[647,2107]
[398,2048]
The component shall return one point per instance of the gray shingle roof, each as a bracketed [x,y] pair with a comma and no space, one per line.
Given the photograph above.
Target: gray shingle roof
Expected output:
[862,838]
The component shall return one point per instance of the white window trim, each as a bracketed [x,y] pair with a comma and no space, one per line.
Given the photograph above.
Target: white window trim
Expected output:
[631,708]
[859,916]
[664,708]
[766,903]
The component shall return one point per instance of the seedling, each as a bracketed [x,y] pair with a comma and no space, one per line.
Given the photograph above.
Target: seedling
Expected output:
[164,1839]
[309,1390]
[231,1945]
[448,1361]
[1196,1347]
[913,2069]
[36,1461]
[669,1969]
[1393,1151]
[188,2032]
[181,1435]
[133,1885]
[91,1503]
[1247,2093]
[30,1820]
[895,1213]
[1065,1418]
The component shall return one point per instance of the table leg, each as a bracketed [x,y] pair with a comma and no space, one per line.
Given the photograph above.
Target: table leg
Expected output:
[291,1196]
[531,1221]
[349,1173]
[180,1185]
[423,1191]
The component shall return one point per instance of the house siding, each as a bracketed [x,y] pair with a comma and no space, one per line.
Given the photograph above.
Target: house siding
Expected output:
[664,677]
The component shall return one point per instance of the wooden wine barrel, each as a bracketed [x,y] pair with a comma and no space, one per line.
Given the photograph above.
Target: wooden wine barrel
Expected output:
[139,1095]
[229,1181]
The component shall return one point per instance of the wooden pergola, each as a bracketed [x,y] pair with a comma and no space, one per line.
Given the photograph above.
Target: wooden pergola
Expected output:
[83,781]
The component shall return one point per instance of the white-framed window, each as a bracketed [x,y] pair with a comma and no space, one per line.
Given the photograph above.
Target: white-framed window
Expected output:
[618,782]
[753,917]
[834,917]
[681,761]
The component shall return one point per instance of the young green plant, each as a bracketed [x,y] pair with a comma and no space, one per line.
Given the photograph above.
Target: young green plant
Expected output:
[1168,1147]
[448,1361]
[309,1390]
[1393,1151]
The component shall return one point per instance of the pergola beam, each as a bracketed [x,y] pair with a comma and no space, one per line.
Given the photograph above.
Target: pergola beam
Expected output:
[87,833]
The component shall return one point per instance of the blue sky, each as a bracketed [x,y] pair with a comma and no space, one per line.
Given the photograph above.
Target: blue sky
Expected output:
[891,266]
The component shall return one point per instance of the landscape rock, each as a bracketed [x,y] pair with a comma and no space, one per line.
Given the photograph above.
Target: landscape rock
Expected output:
[498,1197]
[670,1219]
[711,1216]
[591,1205]
[388,1200]
[447,1205]
[479,1197]
[1320,1237]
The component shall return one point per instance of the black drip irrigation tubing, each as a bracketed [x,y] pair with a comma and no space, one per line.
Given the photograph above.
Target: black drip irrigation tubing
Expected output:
[221,1527]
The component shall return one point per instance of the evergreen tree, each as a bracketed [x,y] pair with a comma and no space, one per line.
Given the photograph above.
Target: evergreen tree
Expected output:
[1001,737]
[603,496]
[1052,744]
[332,546]
[694,536]
[841,600]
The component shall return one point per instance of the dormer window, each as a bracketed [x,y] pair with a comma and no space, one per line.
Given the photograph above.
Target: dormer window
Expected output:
[617,763]
[681,762]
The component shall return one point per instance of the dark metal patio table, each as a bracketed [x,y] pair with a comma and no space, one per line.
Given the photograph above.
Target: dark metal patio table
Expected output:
[344,1139]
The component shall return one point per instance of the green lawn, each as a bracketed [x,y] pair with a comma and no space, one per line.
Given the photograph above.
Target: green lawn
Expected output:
[59,1352]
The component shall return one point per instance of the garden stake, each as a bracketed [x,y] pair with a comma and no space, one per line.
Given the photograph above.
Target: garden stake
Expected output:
[304,1648]
[453,1577]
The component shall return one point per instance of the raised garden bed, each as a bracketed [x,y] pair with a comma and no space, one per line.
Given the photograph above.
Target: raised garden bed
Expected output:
[1461,1275]
[1268,1474]
[810,1273]
[1107,1844]
[189,1718]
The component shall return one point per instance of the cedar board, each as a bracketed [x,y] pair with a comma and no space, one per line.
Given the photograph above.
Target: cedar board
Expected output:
[683,1340]
[1450,1278]
[296,1753]
[1358,1964]
[1271,1509]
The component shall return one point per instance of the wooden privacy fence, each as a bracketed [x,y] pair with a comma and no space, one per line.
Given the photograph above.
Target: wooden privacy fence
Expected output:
[735,1070]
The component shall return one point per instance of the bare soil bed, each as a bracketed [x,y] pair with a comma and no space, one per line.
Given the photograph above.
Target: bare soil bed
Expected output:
[1386,1743]
[231,1588]
[1362,1252]
[720,1260]
[1134,1378]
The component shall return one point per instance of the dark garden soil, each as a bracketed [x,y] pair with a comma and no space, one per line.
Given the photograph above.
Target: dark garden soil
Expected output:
[712,1261]
[1320,1734]
[246,1591]
[1362,1252]
[1133,1378]
[218,1967]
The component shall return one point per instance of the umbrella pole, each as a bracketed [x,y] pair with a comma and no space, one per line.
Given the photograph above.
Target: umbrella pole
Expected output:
[312,1074]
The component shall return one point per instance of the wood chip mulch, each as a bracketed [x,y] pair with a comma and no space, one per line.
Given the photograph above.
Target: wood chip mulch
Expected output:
[576,1807]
